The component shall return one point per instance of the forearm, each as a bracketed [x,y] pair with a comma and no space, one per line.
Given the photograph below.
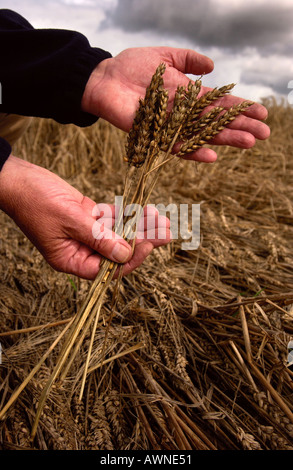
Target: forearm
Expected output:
[12,186]
[44,72]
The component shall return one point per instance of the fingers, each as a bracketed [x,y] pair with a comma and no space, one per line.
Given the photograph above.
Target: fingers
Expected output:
[247,124]
[205,155]
[256,110]
[256,113]
[141,252]
[96,233]
[153,231]
[146,241]
[240,133]
[154,228]
[234,138]
[92,239]
[84,263]
[106,242]
[188,61]
[149,225]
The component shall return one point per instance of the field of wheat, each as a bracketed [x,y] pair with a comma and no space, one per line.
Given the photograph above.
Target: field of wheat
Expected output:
[193,354]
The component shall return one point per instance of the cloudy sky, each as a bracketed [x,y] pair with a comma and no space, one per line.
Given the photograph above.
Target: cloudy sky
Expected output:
[250,41]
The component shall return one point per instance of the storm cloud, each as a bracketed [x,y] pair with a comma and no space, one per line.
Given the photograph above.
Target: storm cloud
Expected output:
[231,24]
[258,31]
[273,72]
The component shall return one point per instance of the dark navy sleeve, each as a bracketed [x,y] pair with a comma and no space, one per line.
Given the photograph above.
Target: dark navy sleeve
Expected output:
[43,72]
[5,151]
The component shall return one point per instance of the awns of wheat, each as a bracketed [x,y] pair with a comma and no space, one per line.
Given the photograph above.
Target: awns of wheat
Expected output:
[150,145]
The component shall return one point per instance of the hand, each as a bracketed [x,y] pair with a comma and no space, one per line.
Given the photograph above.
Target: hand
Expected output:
[115,86]
[59,221]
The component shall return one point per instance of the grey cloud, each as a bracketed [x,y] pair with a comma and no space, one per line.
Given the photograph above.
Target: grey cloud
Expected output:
[207,22]
[278,80]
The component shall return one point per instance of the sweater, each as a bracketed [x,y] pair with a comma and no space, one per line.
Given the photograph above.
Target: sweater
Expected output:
[43,72]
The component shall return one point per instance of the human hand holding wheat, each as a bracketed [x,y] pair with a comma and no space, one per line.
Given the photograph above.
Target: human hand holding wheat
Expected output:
[59,221]
[117,84]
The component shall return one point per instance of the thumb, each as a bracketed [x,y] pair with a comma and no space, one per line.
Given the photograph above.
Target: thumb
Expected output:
[189,61]
[108,243]
[98,235]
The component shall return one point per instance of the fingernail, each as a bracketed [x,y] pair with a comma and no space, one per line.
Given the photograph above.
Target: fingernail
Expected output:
[120,253]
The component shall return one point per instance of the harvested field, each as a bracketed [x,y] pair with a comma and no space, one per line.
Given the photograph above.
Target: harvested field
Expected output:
[193,355]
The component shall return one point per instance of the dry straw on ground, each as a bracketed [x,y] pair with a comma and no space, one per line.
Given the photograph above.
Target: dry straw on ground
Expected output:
[195,356]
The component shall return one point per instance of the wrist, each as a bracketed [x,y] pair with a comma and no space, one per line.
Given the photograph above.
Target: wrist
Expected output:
[12,177]
[93,90]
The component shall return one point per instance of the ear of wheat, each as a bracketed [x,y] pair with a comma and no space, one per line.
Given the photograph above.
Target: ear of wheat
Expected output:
[149,147]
